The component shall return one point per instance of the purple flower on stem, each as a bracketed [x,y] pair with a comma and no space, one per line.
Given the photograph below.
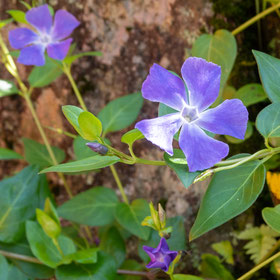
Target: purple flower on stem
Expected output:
[161,257]
[202,79]
[98,148]
[49,35]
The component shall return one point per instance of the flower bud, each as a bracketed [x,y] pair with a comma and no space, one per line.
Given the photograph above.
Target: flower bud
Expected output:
[97,147]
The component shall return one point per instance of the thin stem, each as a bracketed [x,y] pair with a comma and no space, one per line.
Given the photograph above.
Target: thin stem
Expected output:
[150,162]
[258,267]
[255,18]
[60,131]
[119,184]
[67,72]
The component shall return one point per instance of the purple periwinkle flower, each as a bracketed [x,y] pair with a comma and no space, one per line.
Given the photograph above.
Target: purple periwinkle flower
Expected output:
[97,147]
[161,257]
[49,35]
[202,79]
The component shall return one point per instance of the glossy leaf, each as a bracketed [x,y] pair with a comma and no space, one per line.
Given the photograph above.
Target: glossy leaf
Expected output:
[72,114]
[131,217]
[181,170]
[42,76]
[90,126]
[121,112]
[219,48]
[37,153]
[104,269]
[81,150]
[85,256]
[16,206]
[229,194]
[95,207]
[271,215]
[250,94]
[186,277]
[43,248]
[6,154]
[70,59]
[131,136]
[268,121]
[7,88]
[87,164]
[269,70]
[18,16]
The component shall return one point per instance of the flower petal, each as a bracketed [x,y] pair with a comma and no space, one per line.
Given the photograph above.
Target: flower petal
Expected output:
[160,131]
[157,264]
[64,24]
[164,87]
[59,50]
[163,246]
[40,17]
[201,151]
[21,37]
[228,118]
[203,81]
[32,55]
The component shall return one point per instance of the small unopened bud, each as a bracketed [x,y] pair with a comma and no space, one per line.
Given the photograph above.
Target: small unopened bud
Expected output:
[97,147]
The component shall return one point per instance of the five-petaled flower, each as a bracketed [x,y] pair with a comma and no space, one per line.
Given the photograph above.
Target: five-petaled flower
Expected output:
[49,35]
[202,79]
[161,257]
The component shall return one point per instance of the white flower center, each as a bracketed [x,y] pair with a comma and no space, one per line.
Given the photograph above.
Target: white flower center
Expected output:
[189,113]
[45,39]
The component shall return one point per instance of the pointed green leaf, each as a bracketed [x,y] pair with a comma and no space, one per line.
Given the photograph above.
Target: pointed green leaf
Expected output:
[9,154]
[229,194]
[5,22]
[131,136]
[72,114]
[81,150]
[87,164]
[18,16]
[131,217]
[269,70]
[121,112]
[271,215]
[70,59]
[90,126]
[95,207]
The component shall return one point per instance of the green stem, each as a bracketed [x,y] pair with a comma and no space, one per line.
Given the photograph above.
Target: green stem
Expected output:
[255,18]
[150,162]
[60,131]
[67,72]
[55,242]
[119,183]
[258,267]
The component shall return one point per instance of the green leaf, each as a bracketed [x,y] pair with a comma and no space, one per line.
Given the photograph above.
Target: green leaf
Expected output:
[186,277]
[70,59]
[9,271]
[250,94]
[181,170]
[16,206]
[269,70]
[18,16]
[7,88]
[268,121]
[240,188]
[113,244]
[5,22]
[271,215]
[87,164]
[225,249]
[85,256]
[32,270]
[81,150]
[104,269]
[248,134]
[131,217]
[42,76]
[72,114]
[131,136]
[9,154]
[90,126]
[121,112]
[220,48]
[43,248]
[211,267]
[95,207]
[4,268]
[37,153]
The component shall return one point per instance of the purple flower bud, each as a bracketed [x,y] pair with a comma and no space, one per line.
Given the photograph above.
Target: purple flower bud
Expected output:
[161,257]
[98,148]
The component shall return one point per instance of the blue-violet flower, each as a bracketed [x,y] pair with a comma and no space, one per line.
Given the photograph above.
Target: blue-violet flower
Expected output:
[202,79]
[161,257]
[97,147]
[49,35]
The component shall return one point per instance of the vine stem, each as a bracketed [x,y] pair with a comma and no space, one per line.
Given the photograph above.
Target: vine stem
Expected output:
[66,69]
[255,19]
[258,267]
[29,259]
